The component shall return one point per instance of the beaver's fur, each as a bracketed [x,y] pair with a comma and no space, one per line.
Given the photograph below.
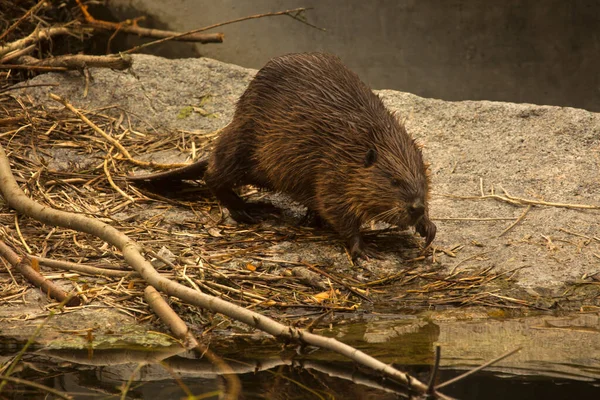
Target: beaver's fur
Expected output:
[308,127]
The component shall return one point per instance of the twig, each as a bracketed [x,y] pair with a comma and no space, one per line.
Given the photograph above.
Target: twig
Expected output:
[338,281]
[577,234]
[434,371]
[17,53]
[474,370]
[474,219]
[32,10]
[33,67]
[467,259]
[512,300]
[522,201]
[36,36]
[20,235]
[516,222]
[112,183]
[294,13]
[131,26]
[85,269]
[158,33]
[519,200]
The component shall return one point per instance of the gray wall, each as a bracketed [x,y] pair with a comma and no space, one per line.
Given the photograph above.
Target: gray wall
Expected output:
[543,52]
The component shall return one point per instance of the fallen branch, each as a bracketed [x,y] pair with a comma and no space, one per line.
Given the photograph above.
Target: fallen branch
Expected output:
[182,332]
[34,37]
[131,26]
[26,269]
[132,254]
[79,61]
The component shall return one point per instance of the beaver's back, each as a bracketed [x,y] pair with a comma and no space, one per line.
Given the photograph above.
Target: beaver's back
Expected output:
[308,115]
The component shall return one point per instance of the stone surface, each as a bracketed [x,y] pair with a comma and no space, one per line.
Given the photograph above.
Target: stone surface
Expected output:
[536,152]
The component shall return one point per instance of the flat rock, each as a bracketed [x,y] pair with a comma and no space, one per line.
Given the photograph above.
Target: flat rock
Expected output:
[540,153]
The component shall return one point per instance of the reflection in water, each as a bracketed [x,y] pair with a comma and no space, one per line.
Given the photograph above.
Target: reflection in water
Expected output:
[559,360]
[275,378]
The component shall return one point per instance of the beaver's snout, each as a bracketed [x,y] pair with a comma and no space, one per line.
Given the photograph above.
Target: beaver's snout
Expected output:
[416,210]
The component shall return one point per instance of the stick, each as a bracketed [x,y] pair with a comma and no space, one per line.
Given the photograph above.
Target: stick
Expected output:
[26,269]
[471,372]
[36,36]
[504,232]
[79,61]
[83,269]
[294,13]
[131,26]
[522,201]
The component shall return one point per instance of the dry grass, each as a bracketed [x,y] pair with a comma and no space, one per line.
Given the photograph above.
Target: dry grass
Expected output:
[61,162]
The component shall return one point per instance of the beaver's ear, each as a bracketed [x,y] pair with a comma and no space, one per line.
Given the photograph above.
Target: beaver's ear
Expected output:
[370,157]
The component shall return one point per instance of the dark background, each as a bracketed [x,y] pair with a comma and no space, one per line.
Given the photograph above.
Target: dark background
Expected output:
[543,52]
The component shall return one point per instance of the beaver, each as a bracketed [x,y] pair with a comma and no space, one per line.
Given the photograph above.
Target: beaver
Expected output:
[308,127]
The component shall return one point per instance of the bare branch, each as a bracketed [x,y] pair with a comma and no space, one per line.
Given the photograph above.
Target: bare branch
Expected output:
[25,268]
[80,61]
[34,37]
[131,26]
[471,372]
[181,331]
[294,13]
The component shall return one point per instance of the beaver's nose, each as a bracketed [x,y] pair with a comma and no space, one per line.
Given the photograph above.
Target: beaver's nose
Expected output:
[416,209]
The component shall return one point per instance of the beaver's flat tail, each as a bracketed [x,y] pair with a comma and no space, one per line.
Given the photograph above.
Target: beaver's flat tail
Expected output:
[193,171]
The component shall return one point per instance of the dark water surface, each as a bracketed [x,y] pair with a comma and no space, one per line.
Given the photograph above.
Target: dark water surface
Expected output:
[295,383]
[560,359]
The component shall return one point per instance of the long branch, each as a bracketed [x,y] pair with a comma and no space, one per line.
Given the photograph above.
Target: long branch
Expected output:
[77,61]
[290,13]
[34,37]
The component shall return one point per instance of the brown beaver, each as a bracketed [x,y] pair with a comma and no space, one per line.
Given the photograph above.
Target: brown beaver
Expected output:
[307,126]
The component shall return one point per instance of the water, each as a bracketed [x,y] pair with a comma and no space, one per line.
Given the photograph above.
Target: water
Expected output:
[564,365]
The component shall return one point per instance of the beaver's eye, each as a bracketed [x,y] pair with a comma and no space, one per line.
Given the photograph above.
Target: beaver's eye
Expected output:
[396,182]
[370,157]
